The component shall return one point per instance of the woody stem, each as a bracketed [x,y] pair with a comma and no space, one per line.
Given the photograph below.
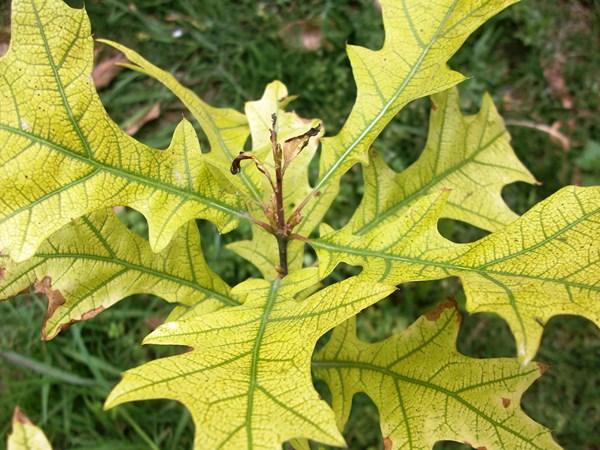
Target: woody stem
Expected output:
[280,234]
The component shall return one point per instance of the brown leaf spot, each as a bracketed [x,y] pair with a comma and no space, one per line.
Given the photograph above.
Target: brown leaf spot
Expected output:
[85,316]
[543,367]
[436,312]
[19,417]
[387,443]
[55,299]
[90,314]
[505,402]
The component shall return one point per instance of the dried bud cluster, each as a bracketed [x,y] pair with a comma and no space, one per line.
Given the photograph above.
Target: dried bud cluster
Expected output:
[283,155]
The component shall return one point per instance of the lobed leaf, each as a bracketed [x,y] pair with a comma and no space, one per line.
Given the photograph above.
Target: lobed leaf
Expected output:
[247,381]
[420,37]
[95,261]
[63,157]
[426,391]
[469,154]
[25,435]
[226,129]
[544,264]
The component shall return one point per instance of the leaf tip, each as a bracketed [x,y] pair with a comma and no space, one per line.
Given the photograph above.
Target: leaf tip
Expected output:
[388,444]
[19,417]
[166,328]
[542,367]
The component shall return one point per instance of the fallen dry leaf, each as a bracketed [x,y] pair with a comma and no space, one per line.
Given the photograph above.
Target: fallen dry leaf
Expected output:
[106,70]
[305,34]
[553,73]
[151,114]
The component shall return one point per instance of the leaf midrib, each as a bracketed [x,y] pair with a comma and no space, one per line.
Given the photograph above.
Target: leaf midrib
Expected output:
[120,173]
[197,106]
[448,266]
[143,269]
[253,384]
[332,247]
[328,364]
[364,133]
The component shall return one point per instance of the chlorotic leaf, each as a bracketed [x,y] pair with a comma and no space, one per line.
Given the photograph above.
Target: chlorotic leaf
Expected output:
[225,128]
[543,264]
[262,250]
[420,38]
[469,154]
[95,261]
[247,381]
[426,391]
[300,444]
[25,435]
[63,156]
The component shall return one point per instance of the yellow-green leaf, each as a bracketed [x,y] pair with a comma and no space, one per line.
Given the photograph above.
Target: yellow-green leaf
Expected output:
[225,128]
[300,444]
[469,154]
[545,263]
[420,37]
[247,381]
[95,261]
[426,391]
[62,155]
[25,435]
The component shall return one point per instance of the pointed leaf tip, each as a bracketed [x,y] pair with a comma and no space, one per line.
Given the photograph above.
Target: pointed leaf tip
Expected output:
[25,435]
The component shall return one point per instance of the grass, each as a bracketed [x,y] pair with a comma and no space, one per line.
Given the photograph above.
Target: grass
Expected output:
[227,52]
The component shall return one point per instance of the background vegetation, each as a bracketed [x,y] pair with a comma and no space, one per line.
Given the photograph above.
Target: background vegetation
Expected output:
[538,59]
